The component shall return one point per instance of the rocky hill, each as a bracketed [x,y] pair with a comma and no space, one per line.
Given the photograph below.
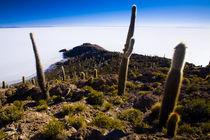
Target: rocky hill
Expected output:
[86,106]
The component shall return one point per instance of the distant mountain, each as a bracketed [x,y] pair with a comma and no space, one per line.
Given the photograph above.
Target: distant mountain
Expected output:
[85,48]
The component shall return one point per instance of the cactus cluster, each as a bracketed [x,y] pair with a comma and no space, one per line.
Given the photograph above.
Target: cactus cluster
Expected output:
[39,70]
[126,54]
[173,84]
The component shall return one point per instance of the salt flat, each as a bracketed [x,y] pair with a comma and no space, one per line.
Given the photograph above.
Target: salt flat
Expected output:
[17,58]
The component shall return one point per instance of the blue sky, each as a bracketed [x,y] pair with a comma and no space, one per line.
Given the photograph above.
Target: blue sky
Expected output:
[102,12]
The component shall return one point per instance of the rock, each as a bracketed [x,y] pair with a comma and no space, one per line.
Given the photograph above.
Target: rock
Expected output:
[111,80]
[81,83]
[98,83]
[22,93]
[22,137]
[57,91]
[9,92]
[145,101]
[36,93]
[78,94]
[115,135]
[61,89]
[88,133]
[131,137]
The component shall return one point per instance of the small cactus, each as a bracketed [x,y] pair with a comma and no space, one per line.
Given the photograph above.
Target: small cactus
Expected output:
[39,70]
[3,84]
[173,121]
[173,84]
[24,80]
[82,75]
[95,72]
[33,81]
[63,73]
[127,53]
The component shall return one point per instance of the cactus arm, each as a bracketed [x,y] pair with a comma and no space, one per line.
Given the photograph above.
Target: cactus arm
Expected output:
[173,85]
[131,28]
[173,121]
[130,48]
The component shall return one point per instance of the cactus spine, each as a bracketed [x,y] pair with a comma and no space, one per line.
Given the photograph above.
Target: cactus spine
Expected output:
[173,121]
[39,70]
[126,55]
[3,84]
[24,80]
[173,84]
[63,73]
[82,75]
[95,72]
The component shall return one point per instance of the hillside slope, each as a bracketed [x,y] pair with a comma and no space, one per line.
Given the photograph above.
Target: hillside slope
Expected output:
[89,108]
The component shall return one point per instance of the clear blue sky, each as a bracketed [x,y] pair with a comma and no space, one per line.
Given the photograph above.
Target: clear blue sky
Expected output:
[102,12]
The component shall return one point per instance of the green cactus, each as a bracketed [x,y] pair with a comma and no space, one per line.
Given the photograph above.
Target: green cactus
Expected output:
[124,69]
[63,73]
[24,80]
[3,84]
[126,55]
[173,84]
[172,126]
[83,75]
[39,70]
[95,72]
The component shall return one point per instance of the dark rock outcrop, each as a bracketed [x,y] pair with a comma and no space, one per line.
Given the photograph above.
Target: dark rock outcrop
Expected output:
[145,101]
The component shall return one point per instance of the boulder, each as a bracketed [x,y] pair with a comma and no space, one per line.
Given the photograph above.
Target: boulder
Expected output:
[88,133]
[145,101]
[115,135]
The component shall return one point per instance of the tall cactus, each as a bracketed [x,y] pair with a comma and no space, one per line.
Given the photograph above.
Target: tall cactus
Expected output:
[63,73]
[24,80]
[173,84]
[173,121]
[126,54]
[39,70]
[3,84]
